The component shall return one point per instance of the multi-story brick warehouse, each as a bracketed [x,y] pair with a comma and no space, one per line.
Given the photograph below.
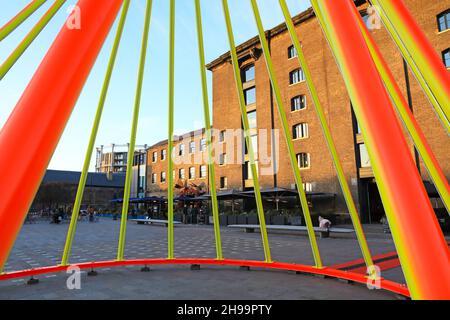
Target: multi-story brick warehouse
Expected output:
[317,169]
[316,165]
[189,163]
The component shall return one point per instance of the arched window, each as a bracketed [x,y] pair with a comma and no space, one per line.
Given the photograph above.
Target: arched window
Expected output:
[298,103]
[292,52]
[296,76]
[300,131]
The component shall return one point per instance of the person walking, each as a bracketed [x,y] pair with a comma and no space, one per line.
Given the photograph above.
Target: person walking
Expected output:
[185,213]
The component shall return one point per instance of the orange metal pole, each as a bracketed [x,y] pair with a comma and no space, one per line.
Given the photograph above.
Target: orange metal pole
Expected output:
[420,54]
[36,124]
[421,246]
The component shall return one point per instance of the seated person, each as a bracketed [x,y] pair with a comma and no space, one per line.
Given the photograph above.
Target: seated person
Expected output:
[324,223]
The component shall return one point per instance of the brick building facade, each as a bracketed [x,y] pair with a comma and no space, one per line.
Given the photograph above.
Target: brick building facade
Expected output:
[317,169]
[189,162]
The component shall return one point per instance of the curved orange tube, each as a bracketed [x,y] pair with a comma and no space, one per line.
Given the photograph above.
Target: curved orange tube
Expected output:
[422,249]
[38,120]
[327,271]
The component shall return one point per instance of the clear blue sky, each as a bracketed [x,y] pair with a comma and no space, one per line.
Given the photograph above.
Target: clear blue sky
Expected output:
[116,121]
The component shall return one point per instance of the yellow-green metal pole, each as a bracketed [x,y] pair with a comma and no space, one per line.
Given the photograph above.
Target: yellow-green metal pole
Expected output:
[330,143]
[95,125]
[170,185]
[286,131]
[415,132]
[20,17]
[17,53]
[212,175]
[130,157]
[248,141]
[437,95]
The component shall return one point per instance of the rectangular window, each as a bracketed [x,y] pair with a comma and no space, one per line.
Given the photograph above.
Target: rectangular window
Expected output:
[364,156]
[163,154]
[292,52]
[223,182]
[254,141]
[181,174]
[155,156]
[248,73]
[255,145]
[192,147]
[307,186]
[203,171]
[250,96]
[252,119]
[300,131]
[298,103]
[303,160]
[444,21]
[163,177]
[222,136]
[192,173]
[358,128]
[154,177]
[248,175]
[222,159]
[296,76]
[446,57]
[181,150]
[203,144]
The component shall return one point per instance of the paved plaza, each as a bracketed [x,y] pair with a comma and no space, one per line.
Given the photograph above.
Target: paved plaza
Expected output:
[42,244]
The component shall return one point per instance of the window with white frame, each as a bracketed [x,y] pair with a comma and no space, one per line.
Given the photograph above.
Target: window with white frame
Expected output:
[163,177]
[296,76]
[203,171]
[155,156]
[181,150]
[222,136]
[292,52]
[181,174]
[307,186]
[154,177]
[203,144]
[192,147]
[254,142]
[223,182]
[298,103]
[364,156]
[163,154]
[222,159]
[252,120]
[300,131]
[303,160]
[248,174]
[192,173]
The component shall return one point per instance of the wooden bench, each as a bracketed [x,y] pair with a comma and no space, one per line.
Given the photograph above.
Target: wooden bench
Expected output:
[154,221]
[324,233]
